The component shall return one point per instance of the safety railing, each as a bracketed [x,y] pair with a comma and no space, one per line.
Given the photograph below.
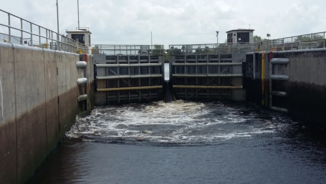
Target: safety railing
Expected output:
[128,49]
[306,41]
[189,49]
[21,31]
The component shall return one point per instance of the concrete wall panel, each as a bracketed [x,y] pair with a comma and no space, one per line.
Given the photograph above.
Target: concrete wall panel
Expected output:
[306,87]
[40,104]
[8,170]
[51,93]
[7,87]
[31,126]
[8,152]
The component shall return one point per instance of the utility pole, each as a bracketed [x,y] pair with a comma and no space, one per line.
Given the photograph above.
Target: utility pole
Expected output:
[58,17]
[78,12]
[58,45]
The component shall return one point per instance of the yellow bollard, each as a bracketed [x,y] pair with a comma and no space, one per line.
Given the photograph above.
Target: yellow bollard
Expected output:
[46,45]
[80,51]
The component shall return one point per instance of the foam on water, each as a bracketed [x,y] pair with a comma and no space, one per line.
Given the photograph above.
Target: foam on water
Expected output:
[176,122]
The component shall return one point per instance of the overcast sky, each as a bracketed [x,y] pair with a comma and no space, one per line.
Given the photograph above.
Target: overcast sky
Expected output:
[173,21]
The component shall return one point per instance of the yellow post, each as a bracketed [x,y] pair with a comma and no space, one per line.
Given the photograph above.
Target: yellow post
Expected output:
[263,77]
[80,51]
[46,45]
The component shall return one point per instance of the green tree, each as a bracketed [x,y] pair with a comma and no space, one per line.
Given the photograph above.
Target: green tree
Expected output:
[175,51]
[166,55]
[158,50]
[199,50]
[314,40]
[257,38]
[207,50]
[308,38]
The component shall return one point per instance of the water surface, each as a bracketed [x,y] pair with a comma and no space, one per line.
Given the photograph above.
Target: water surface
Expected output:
[186,142]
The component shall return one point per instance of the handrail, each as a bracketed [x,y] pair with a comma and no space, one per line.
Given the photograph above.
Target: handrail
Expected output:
[125,49]
[61,42]
[299,42]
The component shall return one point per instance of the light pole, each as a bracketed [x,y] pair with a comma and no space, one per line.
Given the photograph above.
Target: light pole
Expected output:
[268,35]
[58,46]
[78,12]
[57,17]
[217,36]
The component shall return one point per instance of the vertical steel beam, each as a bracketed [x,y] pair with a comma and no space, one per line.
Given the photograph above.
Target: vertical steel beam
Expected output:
[207,92]
[263,77]
[129,90]
[139,83]
[107,93]
[118,91]
[254,65]
[270,79]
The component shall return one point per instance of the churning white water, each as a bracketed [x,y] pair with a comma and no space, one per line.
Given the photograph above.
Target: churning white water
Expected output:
[176,122]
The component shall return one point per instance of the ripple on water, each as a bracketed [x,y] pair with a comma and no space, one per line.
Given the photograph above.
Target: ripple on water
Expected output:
[177,122]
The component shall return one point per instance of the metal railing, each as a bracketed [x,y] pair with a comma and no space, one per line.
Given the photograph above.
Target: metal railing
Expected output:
[128,49]
[31,34]
[306,41]
[203,49]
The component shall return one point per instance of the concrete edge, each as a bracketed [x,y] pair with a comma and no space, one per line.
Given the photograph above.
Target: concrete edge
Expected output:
[18,46]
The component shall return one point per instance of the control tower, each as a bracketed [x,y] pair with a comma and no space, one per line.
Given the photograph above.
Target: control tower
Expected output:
[82,34]
[240,36]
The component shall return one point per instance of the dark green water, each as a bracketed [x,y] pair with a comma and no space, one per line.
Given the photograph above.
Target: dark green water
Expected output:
[187,142]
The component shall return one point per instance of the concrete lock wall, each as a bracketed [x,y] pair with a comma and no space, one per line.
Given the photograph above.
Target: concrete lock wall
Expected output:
[305,88]
[38,103]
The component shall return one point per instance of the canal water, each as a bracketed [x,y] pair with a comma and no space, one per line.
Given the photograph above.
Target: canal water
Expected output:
[186,142]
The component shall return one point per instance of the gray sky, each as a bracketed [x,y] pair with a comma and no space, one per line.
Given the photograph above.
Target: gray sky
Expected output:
[173,21]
